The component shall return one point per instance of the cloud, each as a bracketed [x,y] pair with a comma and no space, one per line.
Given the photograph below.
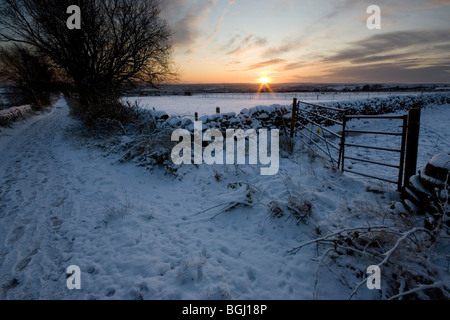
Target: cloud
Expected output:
[316,30]
[216,29]
[389,73]
[372,59]
[186,18]
[443,47]
[215,32]
[393,57]
[370,48]
[174,10]
[244,45]
[264,64]
[282,49]
[229,43]
[439,3]
[293,66]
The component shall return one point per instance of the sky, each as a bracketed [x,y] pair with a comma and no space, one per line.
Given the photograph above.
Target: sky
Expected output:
[318,41]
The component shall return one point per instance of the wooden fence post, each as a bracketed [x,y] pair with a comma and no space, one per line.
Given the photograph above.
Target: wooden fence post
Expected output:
[293,119]
[412,144]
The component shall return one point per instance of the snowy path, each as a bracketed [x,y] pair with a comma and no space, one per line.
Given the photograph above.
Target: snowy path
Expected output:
[33,205]
[135,234]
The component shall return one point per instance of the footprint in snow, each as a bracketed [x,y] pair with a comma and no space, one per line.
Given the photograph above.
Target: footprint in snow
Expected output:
[16,234]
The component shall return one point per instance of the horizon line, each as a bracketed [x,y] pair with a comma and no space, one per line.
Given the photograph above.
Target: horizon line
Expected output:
[312,83]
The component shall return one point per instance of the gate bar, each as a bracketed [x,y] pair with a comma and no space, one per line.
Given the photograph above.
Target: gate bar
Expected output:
[376,132]
[323,139]
[323,107]
[324,151]
[369,176]
[322,127]
[373,117]
[374,162]
[374,148]
[319,115]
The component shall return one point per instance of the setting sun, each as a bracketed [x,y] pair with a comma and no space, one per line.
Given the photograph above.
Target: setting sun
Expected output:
[264,87]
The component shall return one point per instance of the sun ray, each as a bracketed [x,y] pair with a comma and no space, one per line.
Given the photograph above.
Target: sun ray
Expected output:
[264,81]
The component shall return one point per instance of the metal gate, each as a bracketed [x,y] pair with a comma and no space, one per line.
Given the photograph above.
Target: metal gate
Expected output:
[401,149]
[321,127]
[316,128]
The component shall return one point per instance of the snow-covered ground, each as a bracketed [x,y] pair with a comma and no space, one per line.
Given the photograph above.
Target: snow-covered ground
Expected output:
[8,116]
[208,233]
[206,104]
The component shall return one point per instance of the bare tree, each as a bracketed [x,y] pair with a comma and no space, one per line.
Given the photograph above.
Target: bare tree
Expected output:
[31,74]
[120,41]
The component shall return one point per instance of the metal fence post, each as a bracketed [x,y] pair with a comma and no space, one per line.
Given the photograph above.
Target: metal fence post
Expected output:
[342,151]
[402,154]
[293,120]
[412,144]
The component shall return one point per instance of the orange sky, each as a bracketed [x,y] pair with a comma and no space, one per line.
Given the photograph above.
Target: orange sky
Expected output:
[237,41]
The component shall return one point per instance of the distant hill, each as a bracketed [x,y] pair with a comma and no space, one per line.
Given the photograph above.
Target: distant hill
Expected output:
[182,89]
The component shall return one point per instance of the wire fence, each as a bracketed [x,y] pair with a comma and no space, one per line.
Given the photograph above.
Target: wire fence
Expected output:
[304,96]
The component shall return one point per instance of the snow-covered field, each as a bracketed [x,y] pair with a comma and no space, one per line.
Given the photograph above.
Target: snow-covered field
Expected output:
[206,104]
[212,232]
[434,137]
